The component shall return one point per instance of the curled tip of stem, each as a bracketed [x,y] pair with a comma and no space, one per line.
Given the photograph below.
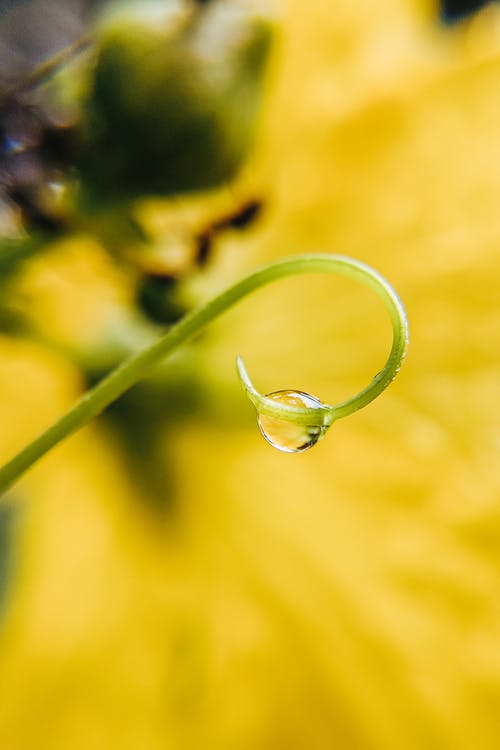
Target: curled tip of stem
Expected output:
[302,409]
[320,414]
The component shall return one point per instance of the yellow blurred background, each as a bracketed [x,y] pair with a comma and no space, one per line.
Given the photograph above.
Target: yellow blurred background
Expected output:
[347,598]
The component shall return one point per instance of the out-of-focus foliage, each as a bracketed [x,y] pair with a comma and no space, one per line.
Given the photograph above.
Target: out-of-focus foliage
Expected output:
[159,98]
[172,101]
[7,545]
[346,598]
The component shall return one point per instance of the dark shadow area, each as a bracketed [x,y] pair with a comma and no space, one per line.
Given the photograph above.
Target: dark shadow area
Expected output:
[452,11]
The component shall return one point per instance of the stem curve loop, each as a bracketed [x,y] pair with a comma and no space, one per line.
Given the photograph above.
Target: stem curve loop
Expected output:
[94,401]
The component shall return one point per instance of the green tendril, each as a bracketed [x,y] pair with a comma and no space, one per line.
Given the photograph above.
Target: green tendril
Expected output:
[94,401]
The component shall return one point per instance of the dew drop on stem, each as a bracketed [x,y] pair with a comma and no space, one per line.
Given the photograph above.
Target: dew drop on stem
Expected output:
[286,435]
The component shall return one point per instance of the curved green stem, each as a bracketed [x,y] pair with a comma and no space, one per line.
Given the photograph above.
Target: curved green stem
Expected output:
[136,367]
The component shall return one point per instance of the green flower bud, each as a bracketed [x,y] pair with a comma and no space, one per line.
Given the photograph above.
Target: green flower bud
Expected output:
[173,98]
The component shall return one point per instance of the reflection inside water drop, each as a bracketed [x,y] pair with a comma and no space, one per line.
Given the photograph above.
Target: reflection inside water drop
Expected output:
[288,436]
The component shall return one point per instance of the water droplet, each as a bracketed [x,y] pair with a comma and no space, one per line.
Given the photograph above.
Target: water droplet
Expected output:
[288,436]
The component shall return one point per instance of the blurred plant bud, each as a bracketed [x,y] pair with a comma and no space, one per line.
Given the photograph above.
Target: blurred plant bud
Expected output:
[173,98]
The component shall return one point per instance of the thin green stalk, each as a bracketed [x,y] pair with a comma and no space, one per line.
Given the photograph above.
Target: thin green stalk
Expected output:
[137,366]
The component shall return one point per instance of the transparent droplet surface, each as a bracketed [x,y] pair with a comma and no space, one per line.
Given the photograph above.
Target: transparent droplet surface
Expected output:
[288,436]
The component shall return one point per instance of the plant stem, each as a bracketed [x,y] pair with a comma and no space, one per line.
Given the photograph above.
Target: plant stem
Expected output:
[137,366]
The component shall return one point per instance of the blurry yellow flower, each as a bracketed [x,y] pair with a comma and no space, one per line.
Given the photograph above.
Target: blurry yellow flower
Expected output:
[348,597]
